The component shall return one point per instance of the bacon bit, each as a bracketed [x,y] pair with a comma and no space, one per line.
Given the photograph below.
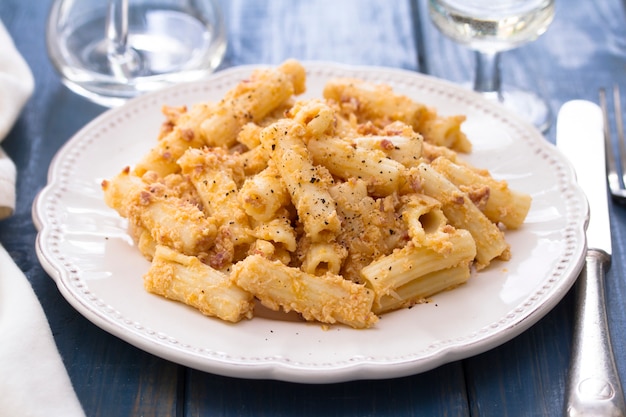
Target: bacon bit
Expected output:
[458,199]
[167,155]
[187,134]
[126,170]
[479,196]
[387,145]
[167,127]
[368,128]
[145,198]
[105,184]
[218,260]
[416,183]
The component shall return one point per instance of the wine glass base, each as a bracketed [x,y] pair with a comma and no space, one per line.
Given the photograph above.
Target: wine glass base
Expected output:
[529,107]
[525,105]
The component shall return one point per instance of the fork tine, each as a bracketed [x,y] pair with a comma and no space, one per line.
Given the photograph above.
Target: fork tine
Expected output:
[620,132]
[611,164]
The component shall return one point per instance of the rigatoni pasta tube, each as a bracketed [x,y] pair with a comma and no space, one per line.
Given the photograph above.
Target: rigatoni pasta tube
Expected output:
[277,230]
[382,174]
[422,287]
[445,131]
[254,160]
[426,223]
[252,100]
[375,101]
[186,279]
[307,183]
[462,213]
[185,134]
[174,223]
[405,149]
[211,172]
[262,195]
[328,298]
[170,220]
[380,104]
[404,265]
[323,257]
[315,115]
[501,203]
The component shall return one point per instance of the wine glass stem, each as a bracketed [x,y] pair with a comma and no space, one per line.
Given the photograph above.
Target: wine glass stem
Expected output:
[487,81]
[124,61]
[117,26]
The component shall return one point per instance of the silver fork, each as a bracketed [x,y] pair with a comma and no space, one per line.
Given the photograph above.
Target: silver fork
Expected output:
[616,184]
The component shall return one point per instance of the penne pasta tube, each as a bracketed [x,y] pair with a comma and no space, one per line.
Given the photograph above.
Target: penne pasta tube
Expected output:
[370,227]
[328,298]
[188,280]
[144,241]
[270,250]
[249,135]
[119,190]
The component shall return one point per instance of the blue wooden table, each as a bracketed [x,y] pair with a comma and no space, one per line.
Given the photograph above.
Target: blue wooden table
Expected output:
[584,49]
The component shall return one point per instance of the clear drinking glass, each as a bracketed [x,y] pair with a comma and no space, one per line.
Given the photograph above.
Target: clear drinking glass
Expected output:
[490,27]
[112,50]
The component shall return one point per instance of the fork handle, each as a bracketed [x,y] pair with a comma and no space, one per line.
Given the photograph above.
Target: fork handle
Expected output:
[593,386]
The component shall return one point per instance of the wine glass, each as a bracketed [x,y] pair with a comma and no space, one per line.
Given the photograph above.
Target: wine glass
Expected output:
[113,50]
[490,27]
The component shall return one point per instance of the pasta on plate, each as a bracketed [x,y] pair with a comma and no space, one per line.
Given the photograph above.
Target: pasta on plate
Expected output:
[340,208]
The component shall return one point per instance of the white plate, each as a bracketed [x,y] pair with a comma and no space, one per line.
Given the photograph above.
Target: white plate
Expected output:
[84,246]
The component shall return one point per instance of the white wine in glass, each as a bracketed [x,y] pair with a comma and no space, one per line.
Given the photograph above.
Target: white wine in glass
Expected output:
[490,27]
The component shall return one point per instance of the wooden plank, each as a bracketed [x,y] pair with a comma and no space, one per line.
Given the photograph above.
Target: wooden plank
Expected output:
[526,375]
[347,31]
[436,393]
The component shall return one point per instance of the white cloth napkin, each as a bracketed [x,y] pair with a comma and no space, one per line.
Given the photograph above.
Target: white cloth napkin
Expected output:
[33,379]
[16,86]
[33,382]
